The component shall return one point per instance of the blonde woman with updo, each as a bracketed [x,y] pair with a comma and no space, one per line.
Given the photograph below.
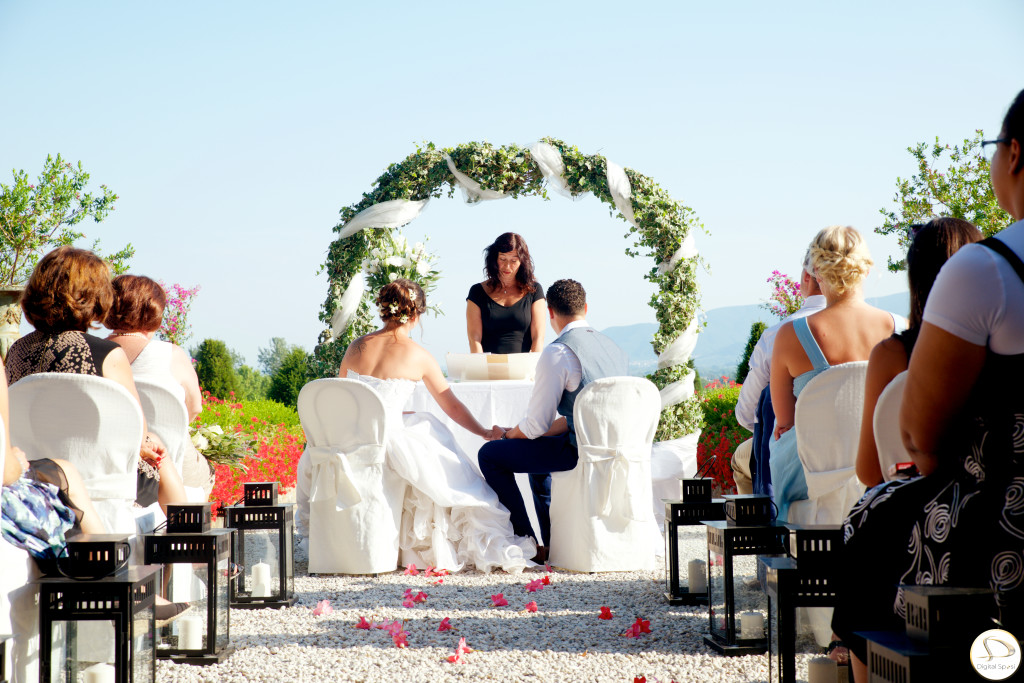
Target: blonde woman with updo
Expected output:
[451,516]
[846,330]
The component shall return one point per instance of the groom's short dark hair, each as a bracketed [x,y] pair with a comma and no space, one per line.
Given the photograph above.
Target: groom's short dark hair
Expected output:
[567,297]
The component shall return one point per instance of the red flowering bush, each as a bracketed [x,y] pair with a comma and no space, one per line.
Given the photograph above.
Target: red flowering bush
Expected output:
[785,297]
[277,451]
[722,433]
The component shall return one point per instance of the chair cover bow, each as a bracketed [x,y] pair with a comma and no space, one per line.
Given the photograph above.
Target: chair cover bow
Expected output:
[335,474]
[614,464]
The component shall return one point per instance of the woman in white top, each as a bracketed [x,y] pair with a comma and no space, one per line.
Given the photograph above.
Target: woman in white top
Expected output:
[451,516]
[135,318]
[961,418]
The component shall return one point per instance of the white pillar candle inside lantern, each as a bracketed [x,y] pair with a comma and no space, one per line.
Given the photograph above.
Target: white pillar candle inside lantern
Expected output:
[822,670]
[751,625]
[697,576]
[98,673]
[190,634]
[261,580]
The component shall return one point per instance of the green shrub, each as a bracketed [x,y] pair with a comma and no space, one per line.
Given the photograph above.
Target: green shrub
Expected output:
[756,330]
[290,377]
[216,369]
[272,412]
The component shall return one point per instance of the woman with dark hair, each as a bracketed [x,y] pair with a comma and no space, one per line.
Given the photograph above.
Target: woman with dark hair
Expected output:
[506,313]
[453,518]
[961,417]
[135,317]
[931,246]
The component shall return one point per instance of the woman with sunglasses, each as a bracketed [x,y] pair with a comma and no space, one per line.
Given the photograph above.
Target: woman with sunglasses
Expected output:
[961,418]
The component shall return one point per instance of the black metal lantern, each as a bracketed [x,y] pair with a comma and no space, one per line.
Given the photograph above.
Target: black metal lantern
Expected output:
[98,630]
[3,658]
[681,516]
[729,545]
[196,558]
[941,623]
[262,548]
[807,579]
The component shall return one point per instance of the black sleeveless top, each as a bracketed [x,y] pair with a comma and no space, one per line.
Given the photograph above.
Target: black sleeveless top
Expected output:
[506,329]
[70,352]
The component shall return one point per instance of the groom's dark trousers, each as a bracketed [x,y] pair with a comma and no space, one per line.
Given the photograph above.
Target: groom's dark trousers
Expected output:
[501,459]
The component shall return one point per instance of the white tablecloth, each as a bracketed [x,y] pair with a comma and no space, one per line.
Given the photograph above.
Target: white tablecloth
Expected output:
[501,402]
[492,403]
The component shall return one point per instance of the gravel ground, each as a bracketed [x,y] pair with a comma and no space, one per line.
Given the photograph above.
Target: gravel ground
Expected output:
[563,641]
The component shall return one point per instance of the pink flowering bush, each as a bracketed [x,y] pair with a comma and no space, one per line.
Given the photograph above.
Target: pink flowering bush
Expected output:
[175,328]
[785,297]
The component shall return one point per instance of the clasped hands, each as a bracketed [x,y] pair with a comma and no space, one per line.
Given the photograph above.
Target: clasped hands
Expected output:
[152,450]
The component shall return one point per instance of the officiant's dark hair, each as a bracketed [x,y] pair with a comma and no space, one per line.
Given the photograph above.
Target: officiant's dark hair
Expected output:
[567,297]
[505,243]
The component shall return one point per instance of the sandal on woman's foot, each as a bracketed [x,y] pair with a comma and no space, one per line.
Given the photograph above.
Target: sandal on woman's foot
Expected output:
[165,614]
[233,570]
[838,652]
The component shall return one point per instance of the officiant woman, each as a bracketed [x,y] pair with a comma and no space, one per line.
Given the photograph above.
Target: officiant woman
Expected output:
[506,312]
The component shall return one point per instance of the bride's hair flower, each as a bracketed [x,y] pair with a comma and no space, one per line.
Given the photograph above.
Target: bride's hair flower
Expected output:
[404,319]
[394,308]
[412,295]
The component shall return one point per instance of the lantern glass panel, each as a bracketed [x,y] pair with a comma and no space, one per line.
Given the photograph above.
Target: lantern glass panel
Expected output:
[142,651]
[259,551]
[749,597]
[76,646]
[692,543]
[188,583]
[716,594]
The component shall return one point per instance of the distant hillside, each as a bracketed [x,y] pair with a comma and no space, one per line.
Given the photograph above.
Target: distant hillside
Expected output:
[721,342]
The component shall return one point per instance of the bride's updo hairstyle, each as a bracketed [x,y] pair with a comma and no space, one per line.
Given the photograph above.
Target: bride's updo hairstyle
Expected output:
[399,301]
[840,258]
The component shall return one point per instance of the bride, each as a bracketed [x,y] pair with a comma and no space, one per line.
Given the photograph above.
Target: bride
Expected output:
[451,516]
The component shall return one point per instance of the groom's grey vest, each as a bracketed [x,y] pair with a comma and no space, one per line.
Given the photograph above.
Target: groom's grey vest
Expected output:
[599,357]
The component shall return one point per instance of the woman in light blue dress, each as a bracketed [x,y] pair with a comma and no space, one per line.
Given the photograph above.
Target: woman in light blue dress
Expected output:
[845,331]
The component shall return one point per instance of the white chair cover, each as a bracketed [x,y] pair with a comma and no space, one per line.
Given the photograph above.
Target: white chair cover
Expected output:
[90,421]
[349,499]
[166,417]
[886,422]
[828,414]
[601,512]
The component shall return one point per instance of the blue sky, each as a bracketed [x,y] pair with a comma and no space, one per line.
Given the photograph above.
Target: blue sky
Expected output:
[235,131]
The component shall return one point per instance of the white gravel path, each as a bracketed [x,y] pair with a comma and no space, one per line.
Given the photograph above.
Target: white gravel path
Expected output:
[563,641]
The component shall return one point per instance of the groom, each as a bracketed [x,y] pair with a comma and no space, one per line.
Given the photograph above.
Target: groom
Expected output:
[543,443]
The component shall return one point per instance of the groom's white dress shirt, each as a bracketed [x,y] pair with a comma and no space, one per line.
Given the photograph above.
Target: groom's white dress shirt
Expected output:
[761,363]
[558,370]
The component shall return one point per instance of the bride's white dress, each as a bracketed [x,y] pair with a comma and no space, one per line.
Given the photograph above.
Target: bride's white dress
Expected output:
[451,517]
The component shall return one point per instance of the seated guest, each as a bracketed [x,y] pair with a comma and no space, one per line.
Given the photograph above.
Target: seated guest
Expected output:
[844,331]
[930,248]
[135,318]
[959,524]
[44,500]
[754,407]
[542,444]
[68,293]
[453,518]
[505,312]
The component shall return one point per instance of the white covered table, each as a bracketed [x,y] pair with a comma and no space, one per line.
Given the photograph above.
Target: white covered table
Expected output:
[499,402]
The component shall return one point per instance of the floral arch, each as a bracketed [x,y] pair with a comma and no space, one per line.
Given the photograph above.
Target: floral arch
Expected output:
[663,229]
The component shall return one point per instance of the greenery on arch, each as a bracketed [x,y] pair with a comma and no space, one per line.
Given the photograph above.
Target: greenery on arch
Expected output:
[663,225]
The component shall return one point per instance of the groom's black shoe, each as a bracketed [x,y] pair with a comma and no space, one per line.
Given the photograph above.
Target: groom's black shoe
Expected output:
[542,555]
